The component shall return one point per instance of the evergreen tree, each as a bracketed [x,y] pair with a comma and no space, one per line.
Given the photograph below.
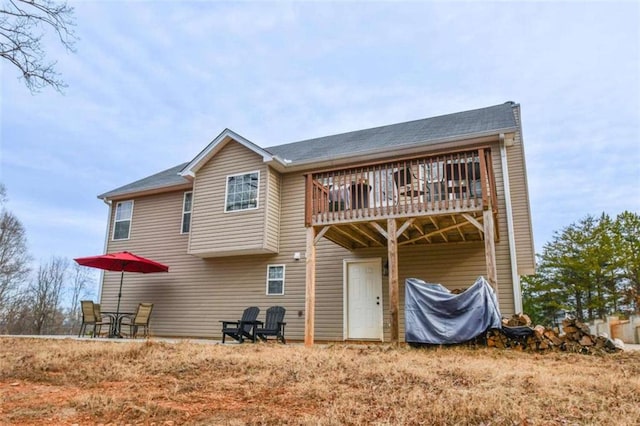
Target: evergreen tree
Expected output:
[590,269]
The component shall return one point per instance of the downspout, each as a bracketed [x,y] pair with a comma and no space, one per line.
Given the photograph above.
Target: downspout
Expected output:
[106,243]
[515,277]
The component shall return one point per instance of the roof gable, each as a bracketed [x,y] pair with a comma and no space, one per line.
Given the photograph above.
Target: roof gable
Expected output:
[216,145]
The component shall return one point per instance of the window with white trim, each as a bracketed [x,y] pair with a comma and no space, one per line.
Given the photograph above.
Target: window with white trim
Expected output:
[122,221]
[275,280]
[242,192]
[186,212]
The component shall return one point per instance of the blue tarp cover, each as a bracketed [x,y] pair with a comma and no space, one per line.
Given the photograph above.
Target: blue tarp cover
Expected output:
[434,315]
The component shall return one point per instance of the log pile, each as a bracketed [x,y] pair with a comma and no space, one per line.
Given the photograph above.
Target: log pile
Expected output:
[518,334]
[517,320]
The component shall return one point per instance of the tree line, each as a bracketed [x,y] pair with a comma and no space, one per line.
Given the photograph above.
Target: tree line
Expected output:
[40,300]
[32,300]
[590,269]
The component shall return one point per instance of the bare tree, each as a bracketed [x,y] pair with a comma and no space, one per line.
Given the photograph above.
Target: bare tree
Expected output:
[78,289]
[22,27]
[14,258]
[45,293]
[17,314]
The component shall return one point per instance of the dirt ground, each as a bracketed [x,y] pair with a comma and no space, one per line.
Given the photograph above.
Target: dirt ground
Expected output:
[66,382]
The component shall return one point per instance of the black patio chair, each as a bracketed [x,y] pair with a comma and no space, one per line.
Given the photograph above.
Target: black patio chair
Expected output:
[273,324]
[238,330]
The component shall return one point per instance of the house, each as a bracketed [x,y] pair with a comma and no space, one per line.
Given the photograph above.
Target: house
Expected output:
[330,227]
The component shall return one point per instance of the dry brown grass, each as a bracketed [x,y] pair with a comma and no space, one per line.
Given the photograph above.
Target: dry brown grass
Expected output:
[90,382]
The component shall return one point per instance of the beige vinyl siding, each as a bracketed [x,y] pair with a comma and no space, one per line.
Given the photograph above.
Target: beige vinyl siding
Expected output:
[453,265]
[525,252]
[197,293]
[503,254]
[156,236]
[328,267]
[272,228]
[215,232]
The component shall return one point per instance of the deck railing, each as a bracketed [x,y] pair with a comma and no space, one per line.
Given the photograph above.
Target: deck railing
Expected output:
[451,182]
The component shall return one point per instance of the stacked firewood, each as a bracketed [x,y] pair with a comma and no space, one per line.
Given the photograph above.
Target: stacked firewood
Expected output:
[517,320]
[518,334]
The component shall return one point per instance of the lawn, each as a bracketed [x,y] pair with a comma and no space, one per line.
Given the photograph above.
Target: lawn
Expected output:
[49,381]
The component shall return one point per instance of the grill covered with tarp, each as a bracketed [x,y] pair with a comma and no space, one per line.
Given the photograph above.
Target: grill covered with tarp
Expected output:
[434,315]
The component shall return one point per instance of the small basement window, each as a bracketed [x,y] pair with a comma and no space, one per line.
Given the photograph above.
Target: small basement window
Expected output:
[275,280]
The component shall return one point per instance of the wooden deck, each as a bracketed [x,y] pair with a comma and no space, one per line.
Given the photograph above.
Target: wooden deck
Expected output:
[436,199]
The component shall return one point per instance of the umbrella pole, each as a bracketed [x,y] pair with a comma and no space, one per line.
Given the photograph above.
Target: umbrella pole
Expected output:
[116,319]
[120,293]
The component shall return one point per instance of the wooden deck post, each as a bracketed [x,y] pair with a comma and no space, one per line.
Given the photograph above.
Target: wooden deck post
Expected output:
[490,249]
[310,291]
[394,301]
[308,199]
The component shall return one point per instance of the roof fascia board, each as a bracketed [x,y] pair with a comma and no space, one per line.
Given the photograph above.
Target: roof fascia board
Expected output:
[151,191]
[436,144]
[217,144]
[280,165]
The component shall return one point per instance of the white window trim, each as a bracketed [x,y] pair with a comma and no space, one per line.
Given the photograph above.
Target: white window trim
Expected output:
[226,191]
[184,197]
[284,270]
[115,221]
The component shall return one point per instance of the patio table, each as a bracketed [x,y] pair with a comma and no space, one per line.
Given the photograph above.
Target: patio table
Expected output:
[116,322]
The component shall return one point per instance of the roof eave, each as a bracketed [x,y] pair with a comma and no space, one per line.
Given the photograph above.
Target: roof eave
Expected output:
[107,196]
[452,141]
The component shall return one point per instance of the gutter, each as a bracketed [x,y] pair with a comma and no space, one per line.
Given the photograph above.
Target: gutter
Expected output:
[515,277]
[278,163]
[113,195]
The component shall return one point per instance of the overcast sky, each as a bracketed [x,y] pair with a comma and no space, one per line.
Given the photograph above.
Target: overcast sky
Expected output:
[153,82]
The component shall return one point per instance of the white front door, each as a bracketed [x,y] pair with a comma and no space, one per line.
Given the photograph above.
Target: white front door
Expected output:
[363,299]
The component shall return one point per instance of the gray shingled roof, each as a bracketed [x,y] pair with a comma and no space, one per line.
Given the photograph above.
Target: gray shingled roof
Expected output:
[484,120]
[165,178]
[489,120]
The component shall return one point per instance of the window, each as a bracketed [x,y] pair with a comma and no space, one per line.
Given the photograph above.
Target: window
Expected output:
[122,224]
[186,212]
[275,280]
[242,192]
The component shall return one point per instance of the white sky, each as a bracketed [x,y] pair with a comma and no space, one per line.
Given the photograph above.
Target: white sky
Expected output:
[153,82]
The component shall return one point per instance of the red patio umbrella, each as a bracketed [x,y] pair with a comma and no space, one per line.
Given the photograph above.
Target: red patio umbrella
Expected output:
[122,261]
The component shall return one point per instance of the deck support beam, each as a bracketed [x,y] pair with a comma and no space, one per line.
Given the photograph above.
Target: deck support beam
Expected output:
[310,290]
[405,226]
[321,234]
[380,229]
[490,249]
[394,300]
